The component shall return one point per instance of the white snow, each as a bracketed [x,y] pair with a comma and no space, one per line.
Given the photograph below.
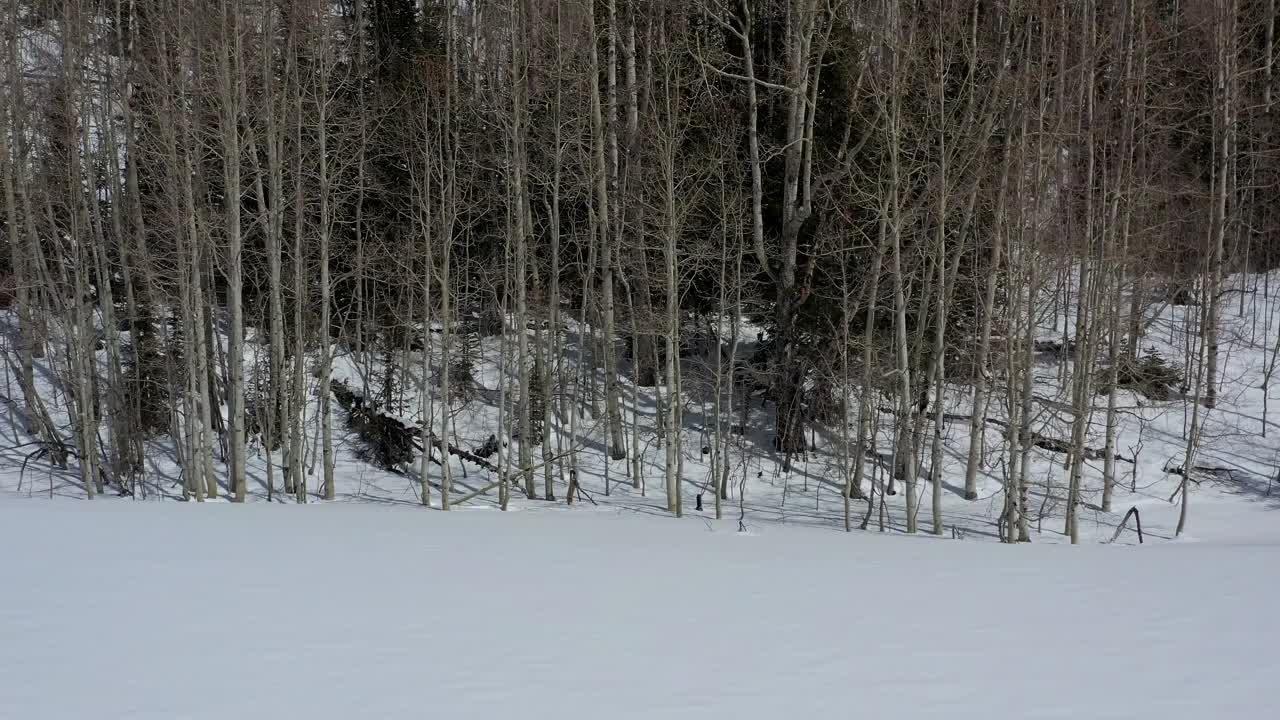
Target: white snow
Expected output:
[145,610]
[1237,506]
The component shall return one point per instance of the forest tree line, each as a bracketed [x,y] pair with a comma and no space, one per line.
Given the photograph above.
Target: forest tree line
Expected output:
[899,194]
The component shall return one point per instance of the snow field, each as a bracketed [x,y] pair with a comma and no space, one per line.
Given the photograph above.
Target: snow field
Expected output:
[139,610]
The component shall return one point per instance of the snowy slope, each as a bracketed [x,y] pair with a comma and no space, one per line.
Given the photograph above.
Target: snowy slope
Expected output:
[134,610]
[1238,505]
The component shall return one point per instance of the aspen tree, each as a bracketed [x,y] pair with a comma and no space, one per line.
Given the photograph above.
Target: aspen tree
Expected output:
[617,446]
[1224,120]
[229,77]
[18,259]
[552,337]
[1119,223]
[325,232]
[671,231]
[520,228]
[1082,357]
[426,391]
[296,404]
[448,211]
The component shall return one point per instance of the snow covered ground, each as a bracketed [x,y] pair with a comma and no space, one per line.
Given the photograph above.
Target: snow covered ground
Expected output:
[142,610]
[373,607]
[1239,504]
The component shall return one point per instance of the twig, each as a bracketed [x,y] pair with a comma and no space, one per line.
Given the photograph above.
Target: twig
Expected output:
[1119,528]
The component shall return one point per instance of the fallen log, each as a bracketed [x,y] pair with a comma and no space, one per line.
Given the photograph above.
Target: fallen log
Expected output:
[1043,442]
[1214,470]
[399,433]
